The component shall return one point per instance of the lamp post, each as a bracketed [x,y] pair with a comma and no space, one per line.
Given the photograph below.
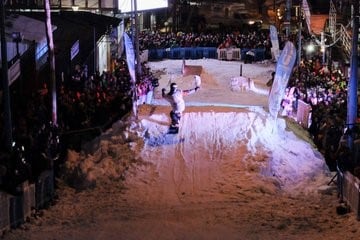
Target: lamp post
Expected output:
[299,35]
[17,37]
[288,16]
[322,48]
[279,17]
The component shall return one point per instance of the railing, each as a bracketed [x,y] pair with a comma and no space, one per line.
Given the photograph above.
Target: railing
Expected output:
[348,187]
[338,31]
[102,5]
[332,20]
[229,54]
[345,40]
[234,54]
[182,53]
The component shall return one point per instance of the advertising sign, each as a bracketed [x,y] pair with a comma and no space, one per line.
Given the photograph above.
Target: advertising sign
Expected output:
[141,5]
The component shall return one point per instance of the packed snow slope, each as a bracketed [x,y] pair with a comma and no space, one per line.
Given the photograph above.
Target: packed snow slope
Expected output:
[212,143]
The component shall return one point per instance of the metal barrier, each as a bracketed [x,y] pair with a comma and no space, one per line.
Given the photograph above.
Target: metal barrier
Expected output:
[235,55]
[222,54]
[16,209]
[349,190]
[229,54]
[345,40]
[4,212]
[182,53]
[303,114]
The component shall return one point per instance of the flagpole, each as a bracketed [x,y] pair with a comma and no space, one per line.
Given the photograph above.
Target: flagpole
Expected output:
[299,35]
[288,16]
[134,41]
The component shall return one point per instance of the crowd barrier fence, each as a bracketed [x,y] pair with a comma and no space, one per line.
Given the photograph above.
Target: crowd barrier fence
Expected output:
[303,114]
[348,187]
[17,209]
[234,54]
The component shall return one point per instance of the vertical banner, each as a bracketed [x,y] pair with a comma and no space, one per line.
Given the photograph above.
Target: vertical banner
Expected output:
[306,9]
[130,56]
[274,42]
[282,73]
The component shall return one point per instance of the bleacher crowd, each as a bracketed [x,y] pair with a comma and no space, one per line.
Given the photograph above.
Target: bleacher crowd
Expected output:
[236,39]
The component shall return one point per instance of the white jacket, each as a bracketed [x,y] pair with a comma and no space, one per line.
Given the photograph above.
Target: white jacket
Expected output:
[176,99]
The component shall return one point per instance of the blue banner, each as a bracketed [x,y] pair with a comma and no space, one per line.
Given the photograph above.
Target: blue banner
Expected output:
[130,57]
[282,74]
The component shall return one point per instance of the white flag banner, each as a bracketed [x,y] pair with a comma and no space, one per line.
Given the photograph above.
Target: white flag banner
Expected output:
[274,42]
[282,74]
[130,56]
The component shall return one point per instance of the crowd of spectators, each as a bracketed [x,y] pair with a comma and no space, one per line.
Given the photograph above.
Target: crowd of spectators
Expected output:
[87,104]
[324,89]
[236,39]
[91,100]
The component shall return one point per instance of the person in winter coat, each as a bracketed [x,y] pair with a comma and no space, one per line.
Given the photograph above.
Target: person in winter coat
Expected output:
[176,98]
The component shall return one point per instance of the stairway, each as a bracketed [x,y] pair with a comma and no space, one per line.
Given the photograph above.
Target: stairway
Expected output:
[339,31]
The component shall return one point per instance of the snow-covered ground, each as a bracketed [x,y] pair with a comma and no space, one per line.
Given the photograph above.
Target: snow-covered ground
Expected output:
[231,172]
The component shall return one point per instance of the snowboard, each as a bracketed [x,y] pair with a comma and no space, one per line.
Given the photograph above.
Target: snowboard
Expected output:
[173,130]
[170,137]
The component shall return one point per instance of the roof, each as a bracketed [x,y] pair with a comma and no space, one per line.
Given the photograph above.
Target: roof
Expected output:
[318,23]
[30,28]
[73,26]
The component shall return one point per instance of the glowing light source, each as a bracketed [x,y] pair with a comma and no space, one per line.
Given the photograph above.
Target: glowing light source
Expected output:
[75,8]
[310,48]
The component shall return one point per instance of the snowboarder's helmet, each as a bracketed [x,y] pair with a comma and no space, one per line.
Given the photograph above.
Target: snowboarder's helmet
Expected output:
[173,86]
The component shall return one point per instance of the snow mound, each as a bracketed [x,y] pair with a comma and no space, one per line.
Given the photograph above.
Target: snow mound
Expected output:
[104,159]
[249,140]
[263,146]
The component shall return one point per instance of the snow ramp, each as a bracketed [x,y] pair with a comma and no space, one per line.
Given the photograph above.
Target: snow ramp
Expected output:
[221,146]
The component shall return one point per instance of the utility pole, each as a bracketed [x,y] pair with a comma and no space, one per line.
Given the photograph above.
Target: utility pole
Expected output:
[353,84]
[288,16]
[299,18]
[323,48]
[136,43]
[7,137]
